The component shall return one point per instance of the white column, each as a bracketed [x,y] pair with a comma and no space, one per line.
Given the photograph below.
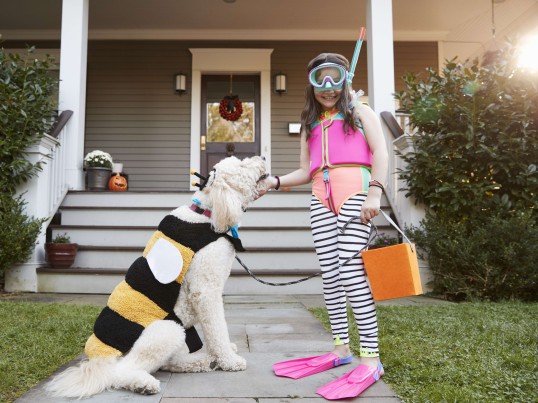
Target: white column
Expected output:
[380,55]
[74,53]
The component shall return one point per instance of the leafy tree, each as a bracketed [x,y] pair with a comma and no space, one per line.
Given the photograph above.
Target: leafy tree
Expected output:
[474,169]
[477,147]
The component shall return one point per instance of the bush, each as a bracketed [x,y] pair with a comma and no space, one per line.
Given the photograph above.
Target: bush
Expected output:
[26,114]
[486,258]
[477,146]
[18,232]
[474,169]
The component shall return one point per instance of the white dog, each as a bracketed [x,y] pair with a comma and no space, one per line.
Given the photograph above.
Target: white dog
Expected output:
[177,283]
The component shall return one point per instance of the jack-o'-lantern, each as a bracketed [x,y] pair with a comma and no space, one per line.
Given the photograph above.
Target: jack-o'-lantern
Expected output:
[117,183]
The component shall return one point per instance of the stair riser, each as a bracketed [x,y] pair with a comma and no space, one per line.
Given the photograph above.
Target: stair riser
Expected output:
[123,217]
[254,261]
[172,200]
[139,237]
[236,285]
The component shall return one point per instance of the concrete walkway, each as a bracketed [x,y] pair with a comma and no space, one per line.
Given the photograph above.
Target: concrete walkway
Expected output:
[266,329]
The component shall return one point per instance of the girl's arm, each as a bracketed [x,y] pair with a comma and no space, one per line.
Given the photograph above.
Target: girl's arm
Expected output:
[378,147]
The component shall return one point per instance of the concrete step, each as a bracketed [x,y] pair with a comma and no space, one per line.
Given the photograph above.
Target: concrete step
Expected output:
[251,237]
[151,216]
[112,229]
[82,281]
[171,200]
[267,259]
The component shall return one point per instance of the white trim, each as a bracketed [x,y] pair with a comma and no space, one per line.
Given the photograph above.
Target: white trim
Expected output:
[230,34]
[72,92]
[207,61]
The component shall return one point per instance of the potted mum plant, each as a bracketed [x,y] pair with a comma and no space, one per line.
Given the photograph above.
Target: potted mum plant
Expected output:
[98,165]
[61,253]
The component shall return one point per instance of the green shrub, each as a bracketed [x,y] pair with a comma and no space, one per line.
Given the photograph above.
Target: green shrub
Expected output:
[486,257]
[474,168]
[477,147]
[26,114]
[18,232]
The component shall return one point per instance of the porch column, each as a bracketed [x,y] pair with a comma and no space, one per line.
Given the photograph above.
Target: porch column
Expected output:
[380,55]
[73,58]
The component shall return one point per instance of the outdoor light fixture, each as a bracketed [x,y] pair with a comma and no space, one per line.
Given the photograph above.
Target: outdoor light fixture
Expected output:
[181,83]
[280,83]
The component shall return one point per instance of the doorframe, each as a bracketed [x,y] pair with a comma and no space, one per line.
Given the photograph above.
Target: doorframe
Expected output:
[231,61]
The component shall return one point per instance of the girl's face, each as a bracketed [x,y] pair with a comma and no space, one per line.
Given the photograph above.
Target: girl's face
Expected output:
[328,99]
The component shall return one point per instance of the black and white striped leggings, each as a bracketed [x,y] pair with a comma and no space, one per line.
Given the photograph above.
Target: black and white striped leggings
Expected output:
[334,248]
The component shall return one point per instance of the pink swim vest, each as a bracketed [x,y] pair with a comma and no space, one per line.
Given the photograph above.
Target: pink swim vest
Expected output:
[333,148]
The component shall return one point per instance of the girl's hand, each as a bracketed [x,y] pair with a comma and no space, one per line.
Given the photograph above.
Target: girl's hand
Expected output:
[370,208]
[270,183]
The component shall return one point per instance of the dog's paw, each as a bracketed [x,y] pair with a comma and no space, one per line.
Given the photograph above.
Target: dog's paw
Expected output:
[232,363]
[151,387]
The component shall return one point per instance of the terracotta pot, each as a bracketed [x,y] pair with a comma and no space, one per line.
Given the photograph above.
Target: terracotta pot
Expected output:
[61,255]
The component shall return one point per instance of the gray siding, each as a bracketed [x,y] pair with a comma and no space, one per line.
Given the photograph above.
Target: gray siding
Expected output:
[134,114]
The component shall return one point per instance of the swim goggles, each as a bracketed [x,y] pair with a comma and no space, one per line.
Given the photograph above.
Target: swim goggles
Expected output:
[327,76]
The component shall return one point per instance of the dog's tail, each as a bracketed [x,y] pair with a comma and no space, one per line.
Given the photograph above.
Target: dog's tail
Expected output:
[86,379]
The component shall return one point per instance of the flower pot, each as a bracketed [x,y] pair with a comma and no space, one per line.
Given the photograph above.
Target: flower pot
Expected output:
[98,178]
[61,255]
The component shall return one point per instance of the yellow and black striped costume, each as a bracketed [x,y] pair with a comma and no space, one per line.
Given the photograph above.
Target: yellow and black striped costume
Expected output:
[141,299]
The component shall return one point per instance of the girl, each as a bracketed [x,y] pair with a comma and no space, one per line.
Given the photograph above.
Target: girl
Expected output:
[343,153]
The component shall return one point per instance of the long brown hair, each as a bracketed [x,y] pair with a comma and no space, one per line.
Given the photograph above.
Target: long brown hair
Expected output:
[312,109]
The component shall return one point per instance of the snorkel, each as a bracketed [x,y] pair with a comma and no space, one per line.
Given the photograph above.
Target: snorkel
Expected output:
[356,53]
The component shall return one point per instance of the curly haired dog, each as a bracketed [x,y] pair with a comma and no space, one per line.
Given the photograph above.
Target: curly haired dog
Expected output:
[148,323]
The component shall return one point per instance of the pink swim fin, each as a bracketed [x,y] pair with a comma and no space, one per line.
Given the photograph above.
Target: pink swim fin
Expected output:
[351,384]
[301,367]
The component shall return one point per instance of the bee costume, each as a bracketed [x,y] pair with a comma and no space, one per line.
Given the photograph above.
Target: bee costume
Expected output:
[151,288]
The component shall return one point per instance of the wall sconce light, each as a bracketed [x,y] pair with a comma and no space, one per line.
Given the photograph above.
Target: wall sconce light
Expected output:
[181,83]
[280,83]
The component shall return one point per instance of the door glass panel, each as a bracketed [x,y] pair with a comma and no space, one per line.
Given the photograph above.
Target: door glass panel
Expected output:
[220,130]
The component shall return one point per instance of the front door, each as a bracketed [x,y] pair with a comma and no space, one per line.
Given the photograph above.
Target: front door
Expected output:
[223,136]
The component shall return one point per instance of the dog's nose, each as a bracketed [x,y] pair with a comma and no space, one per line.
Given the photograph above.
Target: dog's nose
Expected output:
[263,157]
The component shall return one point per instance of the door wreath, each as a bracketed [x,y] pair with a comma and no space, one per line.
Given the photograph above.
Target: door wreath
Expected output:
[231,108]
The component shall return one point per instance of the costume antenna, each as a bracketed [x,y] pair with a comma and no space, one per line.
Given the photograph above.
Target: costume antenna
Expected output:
[201,177]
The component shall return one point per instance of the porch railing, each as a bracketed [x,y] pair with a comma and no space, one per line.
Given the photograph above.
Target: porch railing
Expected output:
[405,209]
[56,163]
[43,195]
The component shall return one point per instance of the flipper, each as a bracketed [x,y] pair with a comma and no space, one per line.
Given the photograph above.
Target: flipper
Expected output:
[351,384]
[301,367]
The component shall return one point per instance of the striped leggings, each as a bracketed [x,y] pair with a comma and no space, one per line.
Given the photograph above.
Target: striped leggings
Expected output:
[334,248]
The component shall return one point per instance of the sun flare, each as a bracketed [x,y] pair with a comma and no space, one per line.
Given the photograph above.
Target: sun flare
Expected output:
[528,54]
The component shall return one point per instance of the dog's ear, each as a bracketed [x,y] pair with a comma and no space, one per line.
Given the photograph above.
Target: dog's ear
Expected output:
[226,204]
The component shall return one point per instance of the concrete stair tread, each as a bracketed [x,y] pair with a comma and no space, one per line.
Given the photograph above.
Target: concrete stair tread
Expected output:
[249,249]
[235,271]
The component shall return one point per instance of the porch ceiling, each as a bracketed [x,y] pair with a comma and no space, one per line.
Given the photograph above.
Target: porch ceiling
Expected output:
[414,20]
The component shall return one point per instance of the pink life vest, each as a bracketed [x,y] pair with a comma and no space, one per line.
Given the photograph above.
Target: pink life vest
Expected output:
[333,148]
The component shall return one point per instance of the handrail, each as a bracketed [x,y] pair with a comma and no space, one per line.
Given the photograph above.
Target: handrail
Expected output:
[60,122]
[392,124]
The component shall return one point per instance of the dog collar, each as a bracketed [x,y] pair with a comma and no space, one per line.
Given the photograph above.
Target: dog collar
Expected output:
[200,210]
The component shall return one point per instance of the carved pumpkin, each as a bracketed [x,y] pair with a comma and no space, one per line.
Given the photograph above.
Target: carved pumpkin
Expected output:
[117,183]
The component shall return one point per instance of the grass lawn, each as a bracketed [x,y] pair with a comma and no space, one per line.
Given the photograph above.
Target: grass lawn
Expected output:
[476,352]
[36,339]
[471,352]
